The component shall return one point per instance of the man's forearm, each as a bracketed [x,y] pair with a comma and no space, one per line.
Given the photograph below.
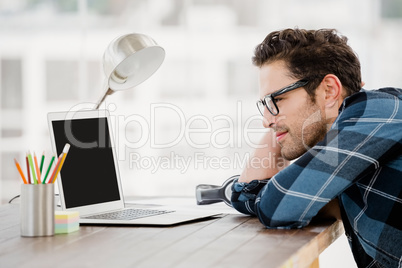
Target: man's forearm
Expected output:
[265,162]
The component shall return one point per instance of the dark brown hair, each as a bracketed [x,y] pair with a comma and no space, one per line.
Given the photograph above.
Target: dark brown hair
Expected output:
[312,54]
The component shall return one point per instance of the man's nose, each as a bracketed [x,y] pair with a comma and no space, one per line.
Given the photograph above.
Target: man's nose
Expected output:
[268,120]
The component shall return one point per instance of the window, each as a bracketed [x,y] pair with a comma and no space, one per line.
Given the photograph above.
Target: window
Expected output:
[11,84]
[61,80]
[391,9]
[242,78]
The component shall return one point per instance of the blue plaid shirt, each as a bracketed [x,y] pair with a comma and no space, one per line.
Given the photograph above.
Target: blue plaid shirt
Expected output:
[360,162]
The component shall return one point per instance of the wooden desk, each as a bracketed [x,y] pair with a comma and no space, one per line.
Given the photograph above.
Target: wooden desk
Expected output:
[231,240]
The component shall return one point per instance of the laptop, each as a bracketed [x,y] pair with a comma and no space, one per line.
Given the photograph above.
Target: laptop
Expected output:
[89,181]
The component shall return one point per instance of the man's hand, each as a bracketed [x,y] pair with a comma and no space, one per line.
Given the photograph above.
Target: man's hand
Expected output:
[265,162]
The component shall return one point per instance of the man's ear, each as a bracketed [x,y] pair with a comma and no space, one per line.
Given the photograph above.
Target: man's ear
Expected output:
[333,91]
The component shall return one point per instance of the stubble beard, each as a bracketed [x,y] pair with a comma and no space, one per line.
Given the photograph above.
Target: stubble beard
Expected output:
[304,135]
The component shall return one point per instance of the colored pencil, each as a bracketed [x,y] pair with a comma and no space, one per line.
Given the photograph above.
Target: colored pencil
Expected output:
[48,169]
[32,168]
[55,168]
[37,168]
[60,165]
[29,175]
[20,171]
[42,162]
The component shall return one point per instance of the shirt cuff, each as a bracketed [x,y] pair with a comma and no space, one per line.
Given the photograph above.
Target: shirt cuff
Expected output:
[244,195]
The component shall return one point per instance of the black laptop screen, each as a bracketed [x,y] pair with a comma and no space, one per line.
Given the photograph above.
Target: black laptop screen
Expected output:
[89,172]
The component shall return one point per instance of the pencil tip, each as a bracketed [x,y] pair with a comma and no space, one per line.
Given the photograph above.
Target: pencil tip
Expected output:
[66,148]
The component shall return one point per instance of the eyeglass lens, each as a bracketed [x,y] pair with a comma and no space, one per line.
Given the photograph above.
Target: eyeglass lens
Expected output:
[269,105]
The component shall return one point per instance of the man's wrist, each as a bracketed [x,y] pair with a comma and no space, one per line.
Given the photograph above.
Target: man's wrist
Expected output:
[244,179]
[244,195]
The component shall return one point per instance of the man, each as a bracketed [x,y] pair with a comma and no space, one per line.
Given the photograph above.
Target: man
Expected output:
[347,142]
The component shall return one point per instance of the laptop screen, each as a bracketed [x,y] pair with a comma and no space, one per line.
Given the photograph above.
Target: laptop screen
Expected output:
[89,172]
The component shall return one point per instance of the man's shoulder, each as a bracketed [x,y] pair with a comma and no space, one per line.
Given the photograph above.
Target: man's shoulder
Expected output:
[373,95]
[386,92]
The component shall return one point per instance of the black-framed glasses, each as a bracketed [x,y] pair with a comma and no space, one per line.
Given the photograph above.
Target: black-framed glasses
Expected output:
[269,100]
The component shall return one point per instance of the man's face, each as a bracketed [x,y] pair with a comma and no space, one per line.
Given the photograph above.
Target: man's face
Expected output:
[300,123]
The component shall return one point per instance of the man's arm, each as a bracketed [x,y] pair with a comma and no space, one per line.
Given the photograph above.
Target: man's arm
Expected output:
[265,162]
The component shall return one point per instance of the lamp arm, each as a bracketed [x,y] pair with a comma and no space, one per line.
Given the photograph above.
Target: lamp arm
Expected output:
[108,91]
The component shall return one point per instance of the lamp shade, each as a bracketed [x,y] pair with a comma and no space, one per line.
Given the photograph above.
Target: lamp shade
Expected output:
[129,60]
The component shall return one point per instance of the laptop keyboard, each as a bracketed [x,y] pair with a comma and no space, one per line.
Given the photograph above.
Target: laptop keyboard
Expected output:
[128,214]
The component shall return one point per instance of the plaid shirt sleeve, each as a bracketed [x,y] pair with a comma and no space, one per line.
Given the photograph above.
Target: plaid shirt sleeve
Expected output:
[360,160]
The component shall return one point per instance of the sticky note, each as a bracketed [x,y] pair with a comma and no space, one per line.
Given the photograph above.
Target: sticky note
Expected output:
[66,222]
[66,228]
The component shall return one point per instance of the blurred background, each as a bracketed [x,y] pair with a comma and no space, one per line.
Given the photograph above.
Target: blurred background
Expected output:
[195,120]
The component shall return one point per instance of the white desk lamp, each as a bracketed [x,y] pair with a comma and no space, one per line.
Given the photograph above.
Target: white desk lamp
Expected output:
[128,61]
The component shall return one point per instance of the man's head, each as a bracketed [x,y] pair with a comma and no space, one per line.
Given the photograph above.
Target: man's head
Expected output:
[312,54]
[328,71]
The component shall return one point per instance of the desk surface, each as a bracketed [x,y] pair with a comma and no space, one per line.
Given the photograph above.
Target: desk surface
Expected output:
[230,240]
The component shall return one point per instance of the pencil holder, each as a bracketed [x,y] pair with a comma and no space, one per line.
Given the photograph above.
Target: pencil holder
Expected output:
[37,210]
